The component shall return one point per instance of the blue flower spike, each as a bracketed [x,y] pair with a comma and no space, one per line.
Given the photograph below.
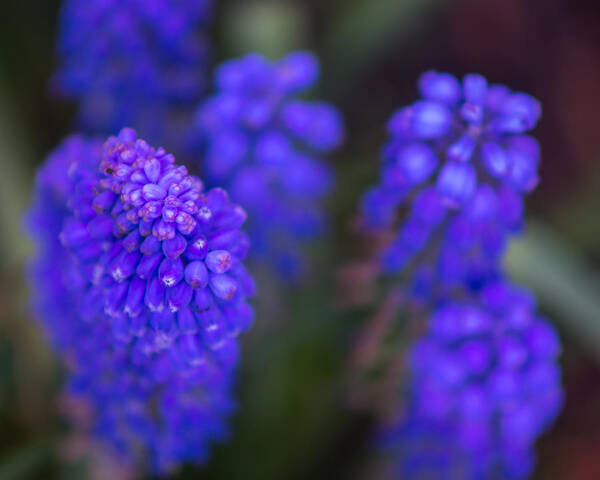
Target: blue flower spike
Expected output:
[139,283]
[266,145]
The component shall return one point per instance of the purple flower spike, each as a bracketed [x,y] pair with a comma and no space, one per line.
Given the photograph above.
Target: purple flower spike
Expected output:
[484,380]
[130,62]
[498,380]
[129,284]
[161,250]
[460,137]
[266,145]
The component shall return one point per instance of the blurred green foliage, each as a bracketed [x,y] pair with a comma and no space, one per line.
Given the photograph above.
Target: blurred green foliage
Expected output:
[562,281]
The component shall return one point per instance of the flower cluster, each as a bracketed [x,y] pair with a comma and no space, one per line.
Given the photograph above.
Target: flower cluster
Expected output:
[139,282]
[459,155]
[163,258]
[265,146]
[488,368]
[133,62]
[484,376]
[156,409]
[52,271]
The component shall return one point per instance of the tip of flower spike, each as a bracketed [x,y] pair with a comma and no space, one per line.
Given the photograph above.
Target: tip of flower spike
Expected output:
[127,135]
[150,240]
[475,89]
[251,70]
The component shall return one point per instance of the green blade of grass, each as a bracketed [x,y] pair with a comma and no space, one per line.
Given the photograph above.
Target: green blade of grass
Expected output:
[565,285]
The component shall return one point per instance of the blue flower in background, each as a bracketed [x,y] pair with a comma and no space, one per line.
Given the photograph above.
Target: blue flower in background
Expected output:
[489,369]
[450,250]
[138,282]
[138,63]
[266,146]
[484,379]
[484,385]
[461,151]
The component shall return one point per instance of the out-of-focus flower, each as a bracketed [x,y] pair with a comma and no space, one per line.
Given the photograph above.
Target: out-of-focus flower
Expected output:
[133,62]
[52,268]
[489,370]
[458,157]
[484,380]
[265,145]
[484,385]
[142,293]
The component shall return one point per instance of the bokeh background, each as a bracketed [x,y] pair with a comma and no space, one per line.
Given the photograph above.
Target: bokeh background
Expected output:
[297,415]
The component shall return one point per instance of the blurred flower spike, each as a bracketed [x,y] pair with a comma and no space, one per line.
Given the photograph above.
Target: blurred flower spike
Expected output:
[484,376]
[266,146]
[135,63]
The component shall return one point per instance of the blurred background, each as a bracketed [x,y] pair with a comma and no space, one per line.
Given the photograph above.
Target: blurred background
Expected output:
[296,417]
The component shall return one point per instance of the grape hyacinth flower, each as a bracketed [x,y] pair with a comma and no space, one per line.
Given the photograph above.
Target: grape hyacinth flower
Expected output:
[484,385]
[461,154]
[143,296]
[484,378]
[157,410]
[161,255]
[265,145]
[52,271]
[134,63]
[488,369]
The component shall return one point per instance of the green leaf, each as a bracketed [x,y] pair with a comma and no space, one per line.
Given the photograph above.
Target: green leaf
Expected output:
[563,282]
[14,182]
